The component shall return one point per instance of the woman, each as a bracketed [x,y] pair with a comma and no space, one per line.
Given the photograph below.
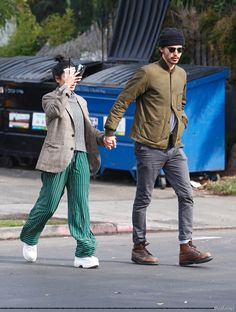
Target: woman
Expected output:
[68,155]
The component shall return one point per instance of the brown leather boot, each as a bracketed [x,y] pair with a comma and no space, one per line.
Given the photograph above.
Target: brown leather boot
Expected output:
[190,255]
[141,255]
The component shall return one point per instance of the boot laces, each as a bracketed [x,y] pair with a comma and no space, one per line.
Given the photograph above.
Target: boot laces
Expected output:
[194,248]
[191,245]
[143,246]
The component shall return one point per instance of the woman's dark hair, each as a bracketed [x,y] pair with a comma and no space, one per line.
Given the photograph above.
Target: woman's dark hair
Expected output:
[63,63]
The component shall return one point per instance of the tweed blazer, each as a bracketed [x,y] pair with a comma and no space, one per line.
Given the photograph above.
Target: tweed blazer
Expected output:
[59,144]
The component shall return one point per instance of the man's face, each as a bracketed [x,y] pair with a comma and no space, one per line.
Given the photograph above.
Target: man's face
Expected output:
[172,54]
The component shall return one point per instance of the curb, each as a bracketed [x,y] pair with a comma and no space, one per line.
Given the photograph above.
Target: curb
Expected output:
[99,228]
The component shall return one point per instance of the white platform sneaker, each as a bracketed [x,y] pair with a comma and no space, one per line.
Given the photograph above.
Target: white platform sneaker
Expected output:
[86,262]
[30,252]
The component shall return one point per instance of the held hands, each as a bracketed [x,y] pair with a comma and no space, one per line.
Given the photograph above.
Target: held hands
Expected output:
[109,142]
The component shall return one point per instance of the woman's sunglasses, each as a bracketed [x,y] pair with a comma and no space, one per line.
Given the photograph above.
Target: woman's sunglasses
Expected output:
[172,49]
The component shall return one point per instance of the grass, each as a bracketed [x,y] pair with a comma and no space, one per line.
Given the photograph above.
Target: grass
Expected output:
[21,222]
[225,186]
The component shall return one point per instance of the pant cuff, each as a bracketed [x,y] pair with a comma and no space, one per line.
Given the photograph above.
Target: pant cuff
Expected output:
[184,241]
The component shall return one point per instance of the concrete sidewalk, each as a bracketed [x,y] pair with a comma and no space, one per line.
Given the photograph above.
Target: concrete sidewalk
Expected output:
[111,201]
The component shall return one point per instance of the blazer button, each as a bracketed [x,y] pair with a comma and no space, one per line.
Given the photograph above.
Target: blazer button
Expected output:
[71,149]
[73,135]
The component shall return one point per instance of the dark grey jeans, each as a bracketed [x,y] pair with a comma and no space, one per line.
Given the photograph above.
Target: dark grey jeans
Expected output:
[173,161]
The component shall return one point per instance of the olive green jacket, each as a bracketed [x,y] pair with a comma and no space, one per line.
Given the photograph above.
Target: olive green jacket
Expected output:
[157,91]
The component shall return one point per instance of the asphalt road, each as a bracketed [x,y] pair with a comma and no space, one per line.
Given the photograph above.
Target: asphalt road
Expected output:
[52,283]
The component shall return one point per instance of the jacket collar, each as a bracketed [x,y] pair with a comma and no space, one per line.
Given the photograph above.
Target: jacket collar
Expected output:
[67,93]
[164,65]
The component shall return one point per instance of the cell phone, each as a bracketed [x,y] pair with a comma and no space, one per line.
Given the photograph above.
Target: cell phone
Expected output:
[80,70]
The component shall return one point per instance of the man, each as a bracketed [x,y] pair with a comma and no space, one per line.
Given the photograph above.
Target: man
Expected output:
[159,121]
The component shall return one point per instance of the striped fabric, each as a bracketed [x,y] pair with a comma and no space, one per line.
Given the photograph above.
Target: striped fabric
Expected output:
[76,179]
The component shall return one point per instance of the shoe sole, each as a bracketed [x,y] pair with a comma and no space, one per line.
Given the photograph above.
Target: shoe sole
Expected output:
[29,260]
[144,263]
[82,267]
[196,262]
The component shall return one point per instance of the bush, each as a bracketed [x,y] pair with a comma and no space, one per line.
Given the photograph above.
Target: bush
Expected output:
[26,39]
[7,10]
[225,186]
[57,29]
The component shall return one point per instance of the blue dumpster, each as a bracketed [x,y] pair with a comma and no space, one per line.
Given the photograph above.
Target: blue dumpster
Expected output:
[204,137]
[23,82]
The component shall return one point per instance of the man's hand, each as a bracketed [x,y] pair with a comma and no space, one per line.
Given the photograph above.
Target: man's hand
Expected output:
[109,142]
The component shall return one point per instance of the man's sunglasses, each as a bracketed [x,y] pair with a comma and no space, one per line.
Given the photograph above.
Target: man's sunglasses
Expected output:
[172,49]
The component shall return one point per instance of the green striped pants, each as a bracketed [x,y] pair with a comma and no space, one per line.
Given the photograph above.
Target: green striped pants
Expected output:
[76,179]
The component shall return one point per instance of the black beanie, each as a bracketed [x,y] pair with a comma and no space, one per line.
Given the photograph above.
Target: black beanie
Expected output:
[171,36]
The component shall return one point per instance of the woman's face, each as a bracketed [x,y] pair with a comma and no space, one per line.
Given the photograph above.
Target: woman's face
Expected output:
[66,77]
[60,80]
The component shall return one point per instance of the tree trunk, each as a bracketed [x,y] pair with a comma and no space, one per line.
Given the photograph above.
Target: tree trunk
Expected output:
[197,48]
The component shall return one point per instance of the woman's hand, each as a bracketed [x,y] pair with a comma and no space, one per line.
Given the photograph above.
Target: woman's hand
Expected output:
[71,79]
[110,142]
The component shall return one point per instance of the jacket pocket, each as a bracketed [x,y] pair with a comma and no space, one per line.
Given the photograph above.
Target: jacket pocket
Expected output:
[179,101]
[152,130]
[184,119]
[52,147]
[183,124]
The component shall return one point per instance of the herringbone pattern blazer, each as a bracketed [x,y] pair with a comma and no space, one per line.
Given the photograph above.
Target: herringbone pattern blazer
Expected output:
[58,148]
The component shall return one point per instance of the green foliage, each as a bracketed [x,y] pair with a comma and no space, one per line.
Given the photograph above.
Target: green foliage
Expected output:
[26,39]
[57,29]
[103,9]
[207,21]
[210,31]
[226,186]
[7,10]
[20,222]
[223,6]
[219,6]
[84,14]
[231,46]
[43,8]
[55,22]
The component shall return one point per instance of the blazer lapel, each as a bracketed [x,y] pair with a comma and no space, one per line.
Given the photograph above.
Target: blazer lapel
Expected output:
[69,110]
[83,108]
[67,107]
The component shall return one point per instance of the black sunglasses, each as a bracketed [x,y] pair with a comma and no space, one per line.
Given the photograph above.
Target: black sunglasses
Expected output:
[172,49]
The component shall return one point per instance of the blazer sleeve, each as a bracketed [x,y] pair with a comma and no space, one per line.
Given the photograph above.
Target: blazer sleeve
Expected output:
[99,135]
[54,103]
